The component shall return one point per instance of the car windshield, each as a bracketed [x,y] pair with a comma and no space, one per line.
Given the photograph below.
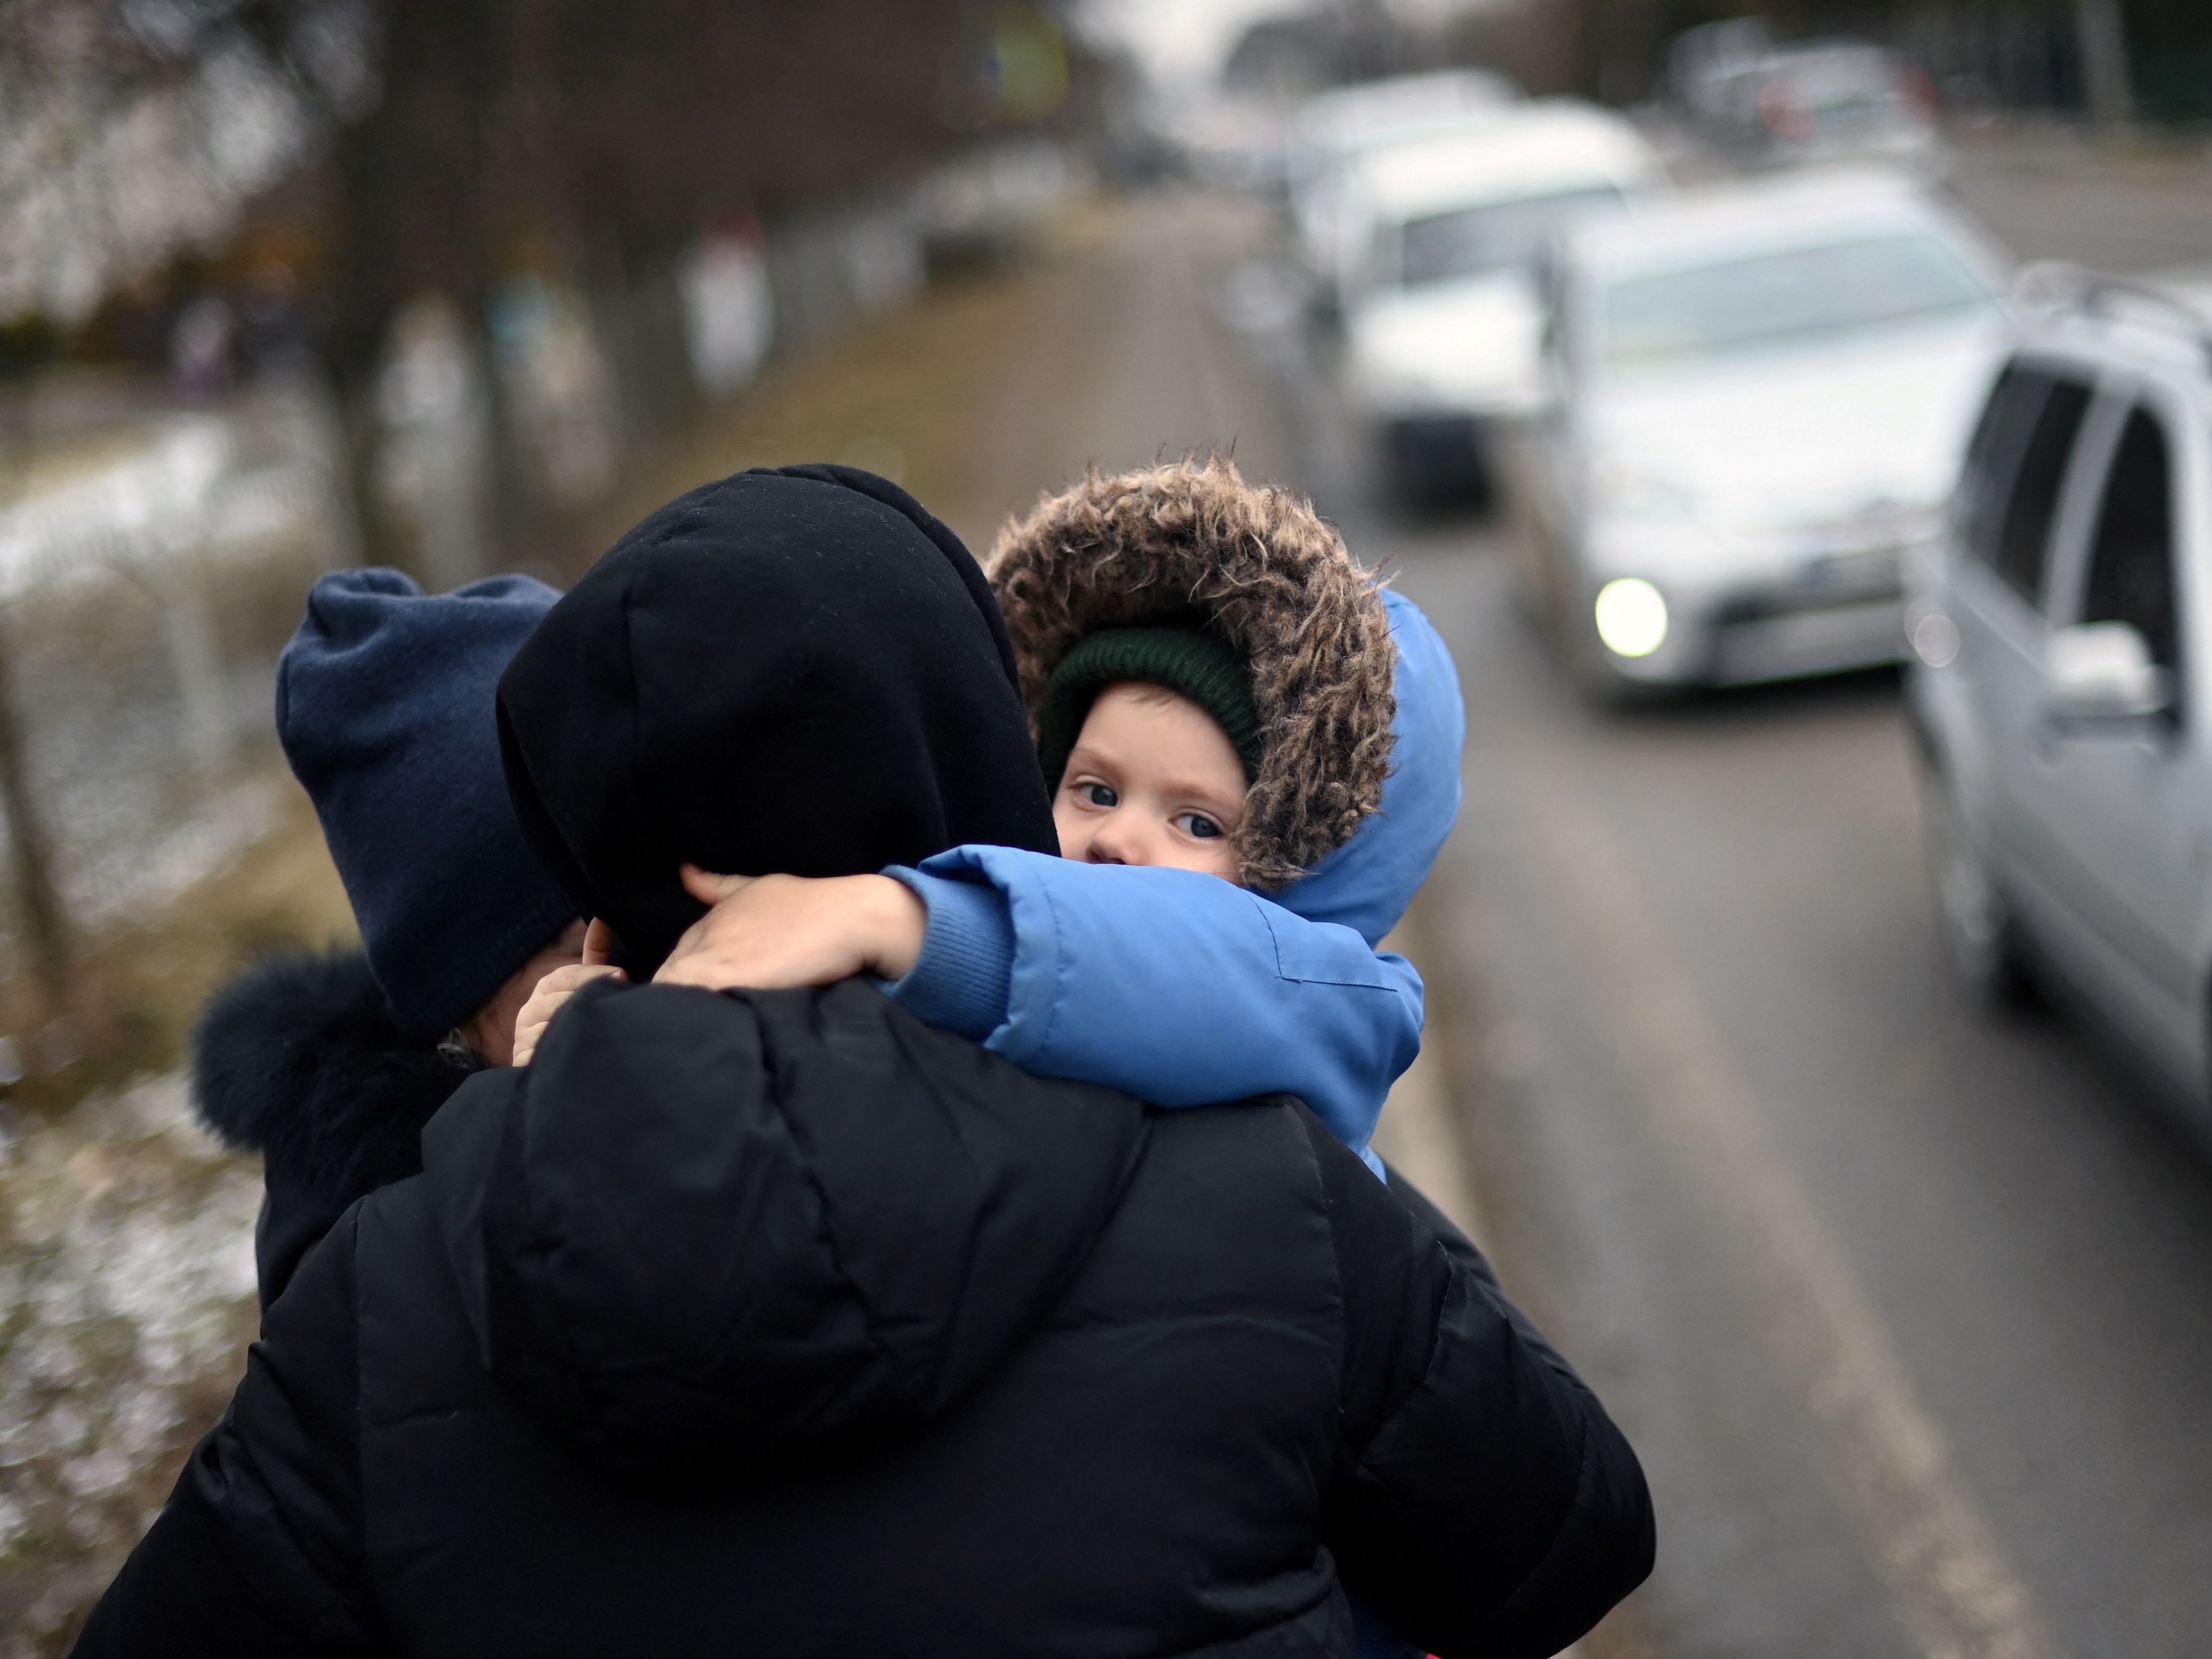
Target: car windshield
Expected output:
[1799,295]
[1496,236]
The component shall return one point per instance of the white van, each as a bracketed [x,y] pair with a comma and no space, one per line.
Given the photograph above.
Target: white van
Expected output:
[1334,135]
[1443,316]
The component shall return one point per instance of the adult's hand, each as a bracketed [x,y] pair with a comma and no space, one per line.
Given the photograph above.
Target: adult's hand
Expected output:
[553,992]
[776,932]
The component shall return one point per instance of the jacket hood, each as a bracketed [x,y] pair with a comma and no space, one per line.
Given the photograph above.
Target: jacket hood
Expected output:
[1367,883]
[1191,542]
[301,1059]
[794,671]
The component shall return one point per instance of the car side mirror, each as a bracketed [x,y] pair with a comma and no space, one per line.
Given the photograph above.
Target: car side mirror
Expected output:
[2101,675]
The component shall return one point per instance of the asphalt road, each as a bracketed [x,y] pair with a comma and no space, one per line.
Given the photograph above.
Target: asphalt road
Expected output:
[1909,1309]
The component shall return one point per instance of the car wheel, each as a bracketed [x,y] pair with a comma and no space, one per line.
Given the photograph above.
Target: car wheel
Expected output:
[1982,933]
[1436,468]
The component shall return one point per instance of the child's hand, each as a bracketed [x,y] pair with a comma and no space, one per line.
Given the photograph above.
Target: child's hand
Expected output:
[774,933]
[554,990]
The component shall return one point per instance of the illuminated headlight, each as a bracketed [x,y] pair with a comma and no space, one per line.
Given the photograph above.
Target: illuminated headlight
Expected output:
[1632,617]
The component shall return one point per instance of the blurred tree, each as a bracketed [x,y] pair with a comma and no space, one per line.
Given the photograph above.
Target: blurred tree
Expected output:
[442,147]
[442,136]
[611,131]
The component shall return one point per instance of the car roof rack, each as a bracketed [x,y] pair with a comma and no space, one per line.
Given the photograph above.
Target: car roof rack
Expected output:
[2059,284]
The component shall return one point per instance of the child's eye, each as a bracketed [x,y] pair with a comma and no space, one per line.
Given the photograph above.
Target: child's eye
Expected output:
[1098,795]
[1197,826]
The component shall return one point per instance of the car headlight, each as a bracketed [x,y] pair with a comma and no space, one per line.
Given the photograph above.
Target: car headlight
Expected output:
[1622,489]
[1632,617]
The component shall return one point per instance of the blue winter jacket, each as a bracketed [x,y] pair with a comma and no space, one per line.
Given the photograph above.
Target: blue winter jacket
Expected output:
[1184,990]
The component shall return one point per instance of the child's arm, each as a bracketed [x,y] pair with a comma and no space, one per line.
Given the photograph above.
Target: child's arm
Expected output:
[1177,986]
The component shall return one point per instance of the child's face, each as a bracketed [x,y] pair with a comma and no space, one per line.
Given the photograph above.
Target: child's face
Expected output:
[1151,780]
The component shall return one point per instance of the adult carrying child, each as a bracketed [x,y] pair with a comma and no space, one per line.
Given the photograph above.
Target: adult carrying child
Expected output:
[779,1322]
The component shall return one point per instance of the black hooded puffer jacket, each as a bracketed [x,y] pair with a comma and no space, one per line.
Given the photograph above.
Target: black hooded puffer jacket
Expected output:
[777,1322]
[301,1059]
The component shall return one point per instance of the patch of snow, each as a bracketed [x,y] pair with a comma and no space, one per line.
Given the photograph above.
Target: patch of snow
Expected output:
[127,1294]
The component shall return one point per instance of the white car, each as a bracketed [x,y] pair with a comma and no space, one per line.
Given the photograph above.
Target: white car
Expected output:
[2061,679]
[1443,315]
[1333,134]
[1761,394]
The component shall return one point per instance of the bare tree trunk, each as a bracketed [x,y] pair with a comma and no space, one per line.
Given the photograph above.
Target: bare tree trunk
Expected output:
[179,583]
[38,899]
[2104,38]
[512,510]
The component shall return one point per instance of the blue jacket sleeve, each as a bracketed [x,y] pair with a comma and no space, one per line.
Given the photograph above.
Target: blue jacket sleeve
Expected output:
[963,977]
[1177,987]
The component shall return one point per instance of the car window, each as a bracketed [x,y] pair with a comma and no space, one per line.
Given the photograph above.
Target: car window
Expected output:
[1496,236]
[1792,295]
[2023,537]
[1993,456]
[2131,558]
[2016,464]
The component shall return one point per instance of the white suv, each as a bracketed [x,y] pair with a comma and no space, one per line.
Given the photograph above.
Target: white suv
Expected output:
[2062,679]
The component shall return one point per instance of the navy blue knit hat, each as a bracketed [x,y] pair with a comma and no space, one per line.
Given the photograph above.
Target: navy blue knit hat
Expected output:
[384,706]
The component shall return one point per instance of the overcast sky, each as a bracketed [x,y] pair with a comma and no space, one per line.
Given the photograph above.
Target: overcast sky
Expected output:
[1179,39]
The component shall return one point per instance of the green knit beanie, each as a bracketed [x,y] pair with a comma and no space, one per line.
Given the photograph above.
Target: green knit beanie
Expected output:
[1184,660]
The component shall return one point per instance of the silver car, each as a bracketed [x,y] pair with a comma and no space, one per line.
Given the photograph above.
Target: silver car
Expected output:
[1825,100]
[2062,682]
[1759,398]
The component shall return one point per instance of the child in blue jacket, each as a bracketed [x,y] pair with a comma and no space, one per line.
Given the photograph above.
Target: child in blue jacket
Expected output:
[1188,948]
[1058,964]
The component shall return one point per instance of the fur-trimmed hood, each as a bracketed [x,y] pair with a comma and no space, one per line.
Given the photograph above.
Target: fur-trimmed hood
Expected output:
[1367,883]
[1261,569]
[301,1059]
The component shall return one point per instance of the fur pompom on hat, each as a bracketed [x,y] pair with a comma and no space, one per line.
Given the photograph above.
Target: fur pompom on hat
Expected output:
[1189,543]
